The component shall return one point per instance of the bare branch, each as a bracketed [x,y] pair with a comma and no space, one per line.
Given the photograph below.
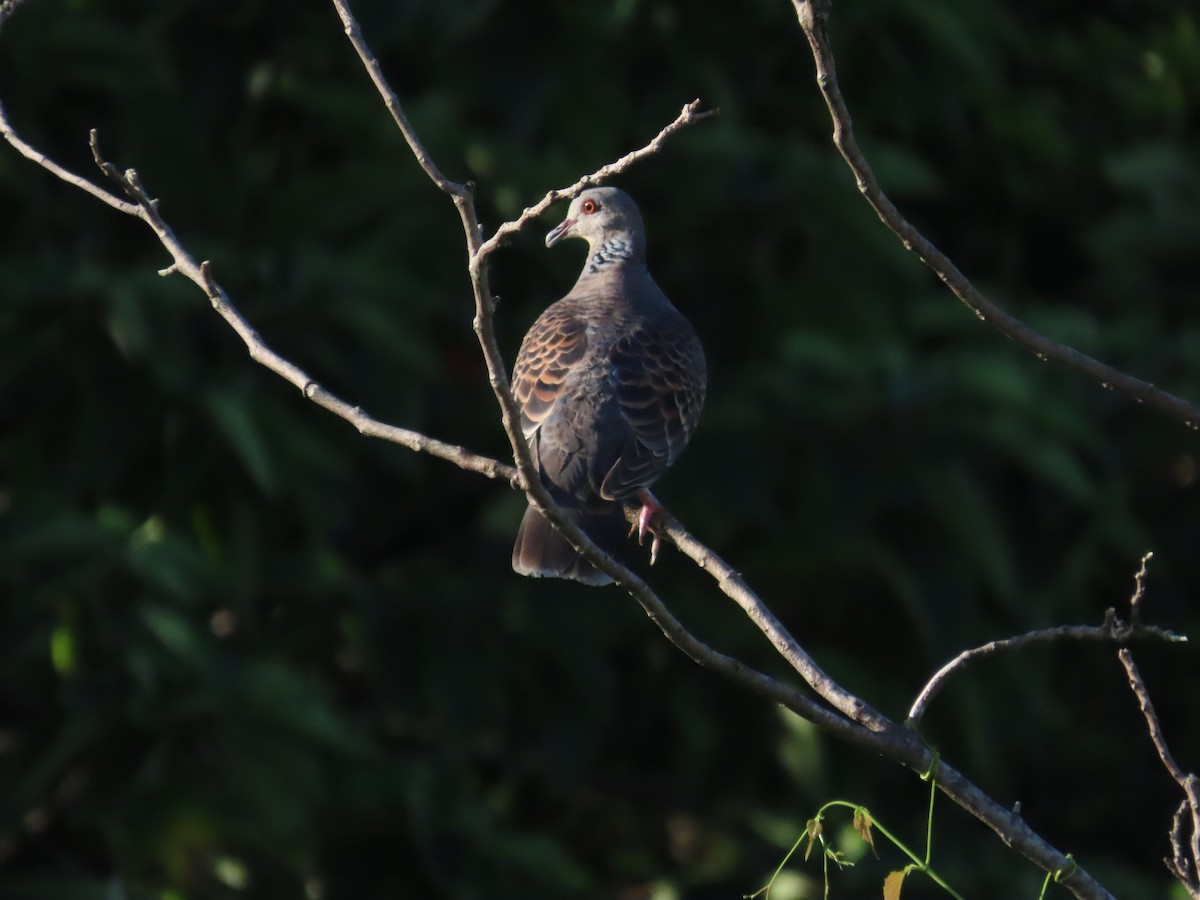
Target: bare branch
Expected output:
[813,15]
[10,135]
[146,208]
[734,586]
[371,64]
[1139,589]
[690,114]
[1187,871]
[1112,630]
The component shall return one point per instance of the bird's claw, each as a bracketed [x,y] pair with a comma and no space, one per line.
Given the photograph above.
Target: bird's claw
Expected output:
[645,524]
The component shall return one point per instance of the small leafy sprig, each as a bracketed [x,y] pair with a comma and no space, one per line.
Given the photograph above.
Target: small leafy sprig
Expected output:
[865,826]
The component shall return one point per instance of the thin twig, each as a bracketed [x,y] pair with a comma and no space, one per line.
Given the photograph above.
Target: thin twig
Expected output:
[1113,630]
[10,135]
[1188,872]
[1139,589]
[813,23]
[689,115]
[371,64]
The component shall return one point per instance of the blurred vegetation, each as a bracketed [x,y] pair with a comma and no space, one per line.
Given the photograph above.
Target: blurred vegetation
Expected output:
[246,653]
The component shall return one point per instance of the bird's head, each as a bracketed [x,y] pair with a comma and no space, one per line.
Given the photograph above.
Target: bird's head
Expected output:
[600,216]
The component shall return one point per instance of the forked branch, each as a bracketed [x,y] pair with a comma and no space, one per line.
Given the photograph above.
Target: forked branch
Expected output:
[1184,861]
[1111,630]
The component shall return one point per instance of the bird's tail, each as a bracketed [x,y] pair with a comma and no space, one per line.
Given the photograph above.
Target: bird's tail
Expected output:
[541,552]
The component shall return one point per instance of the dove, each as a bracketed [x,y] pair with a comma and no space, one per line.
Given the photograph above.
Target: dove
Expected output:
[610,381]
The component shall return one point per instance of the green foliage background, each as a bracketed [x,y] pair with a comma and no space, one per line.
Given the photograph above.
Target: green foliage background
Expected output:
[245,652]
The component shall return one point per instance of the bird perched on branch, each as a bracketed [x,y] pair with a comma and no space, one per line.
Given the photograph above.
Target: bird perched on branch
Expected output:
[610,381]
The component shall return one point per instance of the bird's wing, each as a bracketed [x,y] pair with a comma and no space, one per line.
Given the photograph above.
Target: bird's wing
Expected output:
[660,379]
[555,344]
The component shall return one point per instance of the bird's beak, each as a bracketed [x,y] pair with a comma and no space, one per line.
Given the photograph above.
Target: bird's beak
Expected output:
[560,231]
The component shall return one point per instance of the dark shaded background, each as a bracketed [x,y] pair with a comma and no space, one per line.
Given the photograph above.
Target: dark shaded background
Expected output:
[246,653]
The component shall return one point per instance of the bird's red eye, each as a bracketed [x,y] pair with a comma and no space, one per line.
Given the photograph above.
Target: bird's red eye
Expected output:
[589,206]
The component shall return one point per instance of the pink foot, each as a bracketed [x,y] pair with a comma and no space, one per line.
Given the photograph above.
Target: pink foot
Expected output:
[649,519]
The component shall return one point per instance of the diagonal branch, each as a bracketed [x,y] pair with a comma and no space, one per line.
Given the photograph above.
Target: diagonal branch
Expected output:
[730,581]
[813,16]
[371,64]
[144,207]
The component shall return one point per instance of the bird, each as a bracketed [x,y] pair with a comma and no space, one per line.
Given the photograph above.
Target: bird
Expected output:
[610,381]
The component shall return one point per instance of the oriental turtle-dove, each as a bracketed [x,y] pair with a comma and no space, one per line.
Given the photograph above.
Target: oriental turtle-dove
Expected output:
[610,381]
